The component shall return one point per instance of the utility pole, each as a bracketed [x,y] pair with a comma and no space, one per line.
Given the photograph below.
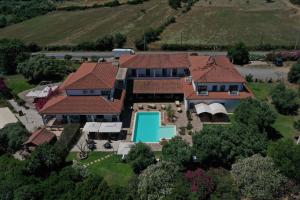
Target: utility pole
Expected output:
[180,38]
[144,41]
[297,40]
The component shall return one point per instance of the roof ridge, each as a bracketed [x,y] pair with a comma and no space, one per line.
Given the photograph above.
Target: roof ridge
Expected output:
[89,72]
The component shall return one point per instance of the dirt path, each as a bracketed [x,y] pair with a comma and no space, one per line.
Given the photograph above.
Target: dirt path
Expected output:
[295,8]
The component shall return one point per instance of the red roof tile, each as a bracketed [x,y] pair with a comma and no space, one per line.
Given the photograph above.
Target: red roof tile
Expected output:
[190,94]
[168,86]
[92,76]
[154,61]
[84,104]
[40,136]
[216,69]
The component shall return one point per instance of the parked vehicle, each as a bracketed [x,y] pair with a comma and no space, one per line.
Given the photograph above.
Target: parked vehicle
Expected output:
[118,52]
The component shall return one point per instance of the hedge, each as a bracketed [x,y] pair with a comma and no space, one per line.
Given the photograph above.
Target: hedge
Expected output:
[68,138]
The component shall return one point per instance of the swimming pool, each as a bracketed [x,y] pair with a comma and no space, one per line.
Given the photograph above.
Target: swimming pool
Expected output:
[148,128]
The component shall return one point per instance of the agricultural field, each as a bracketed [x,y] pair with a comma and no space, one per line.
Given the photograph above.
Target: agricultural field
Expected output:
[229,21]
[71,27]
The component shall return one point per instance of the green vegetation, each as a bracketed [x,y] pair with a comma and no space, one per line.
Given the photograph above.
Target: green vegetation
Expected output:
[88,25]
[258,178]
[112,169]
[14,11]
[239,54]
[222,22]
[294,73]
[17,83]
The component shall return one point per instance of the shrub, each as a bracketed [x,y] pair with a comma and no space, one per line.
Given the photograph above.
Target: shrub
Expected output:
[294,73]
[189,126]
[140,157]
[297,125]
[249,78]
[284,99]
[68,138]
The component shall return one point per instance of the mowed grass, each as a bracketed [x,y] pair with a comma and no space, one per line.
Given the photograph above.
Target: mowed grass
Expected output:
[283,123]
[17,83]
[72,27]
[227,22]
[112,169]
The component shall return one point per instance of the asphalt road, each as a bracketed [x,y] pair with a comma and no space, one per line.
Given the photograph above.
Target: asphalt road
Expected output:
[79,54]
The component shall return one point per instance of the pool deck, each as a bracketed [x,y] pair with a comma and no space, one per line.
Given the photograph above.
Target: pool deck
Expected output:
[180,120]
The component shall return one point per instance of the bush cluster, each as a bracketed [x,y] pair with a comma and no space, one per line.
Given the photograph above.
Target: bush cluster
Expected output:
[284,55]
[113,3]
[152,35]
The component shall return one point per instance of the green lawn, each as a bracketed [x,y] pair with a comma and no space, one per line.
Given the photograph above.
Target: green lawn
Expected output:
[114,171]
[283,123]
[17,83]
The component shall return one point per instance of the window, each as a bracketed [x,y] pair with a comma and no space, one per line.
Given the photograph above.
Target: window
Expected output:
[222,88]
[214,88]
[202,90]
[233,88]
[84,91]
[105,93]
[92,91]
[165,72]
[133,72]
[174,72]
[147,72]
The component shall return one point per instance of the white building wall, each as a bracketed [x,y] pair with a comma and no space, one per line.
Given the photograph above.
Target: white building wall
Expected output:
[156,73]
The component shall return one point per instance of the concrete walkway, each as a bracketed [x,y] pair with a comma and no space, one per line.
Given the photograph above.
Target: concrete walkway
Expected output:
[31,118]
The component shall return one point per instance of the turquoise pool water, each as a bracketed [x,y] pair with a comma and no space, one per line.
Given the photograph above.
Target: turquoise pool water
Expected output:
[148,128]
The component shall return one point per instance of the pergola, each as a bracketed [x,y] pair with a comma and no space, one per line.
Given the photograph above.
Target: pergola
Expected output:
[102,127]
[216,112]
[214,108]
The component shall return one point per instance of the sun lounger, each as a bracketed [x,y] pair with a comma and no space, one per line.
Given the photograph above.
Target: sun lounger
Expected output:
[163,107]
[177,103]
[140,106]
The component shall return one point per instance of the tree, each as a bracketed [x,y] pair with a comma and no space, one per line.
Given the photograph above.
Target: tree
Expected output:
[177,151]
[175,4]
[3,21]
[252,112]
[27,192]
[201,184]
[223,145]
[40,68]
[12,52]
[284,99]
[44,160]
[294,73]
[119,40]
[285,154]
[239,54]
[105,43]
[140,157]
[12,136]
[157,181]
[257,178]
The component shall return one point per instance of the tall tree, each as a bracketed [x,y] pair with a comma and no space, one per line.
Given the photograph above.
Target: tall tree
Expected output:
[177,151]
[39,68]
[285,154]
[140,157]
[12,52]
[239,54]
[157,181]
[257,178]
[253,112]
[222,146]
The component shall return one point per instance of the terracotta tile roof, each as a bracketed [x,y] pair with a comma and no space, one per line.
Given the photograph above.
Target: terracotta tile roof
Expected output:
[40,136]
[92,76]
[214,69]
[190,94]
[84,104]
[179,60]
[167,86]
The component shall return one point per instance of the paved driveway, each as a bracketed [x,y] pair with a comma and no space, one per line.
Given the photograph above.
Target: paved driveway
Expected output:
[31,119]
[263,72]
